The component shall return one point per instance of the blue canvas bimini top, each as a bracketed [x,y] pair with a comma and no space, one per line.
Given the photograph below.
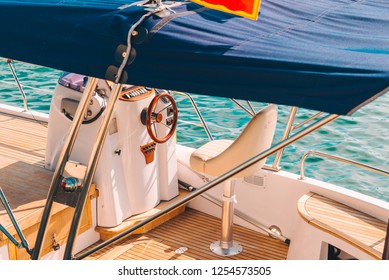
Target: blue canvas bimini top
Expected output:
[325,55]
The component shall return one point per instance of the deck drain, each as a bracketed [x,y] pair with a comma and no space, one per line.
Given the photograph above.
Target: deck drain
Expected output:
[181,250]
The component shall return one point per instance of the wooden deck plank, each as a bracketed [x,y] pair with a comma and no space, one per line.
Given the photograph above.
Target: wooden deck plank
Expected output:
[22,139]
[359,229]
[182,232]
[15,123]
[26,188]
[208,233]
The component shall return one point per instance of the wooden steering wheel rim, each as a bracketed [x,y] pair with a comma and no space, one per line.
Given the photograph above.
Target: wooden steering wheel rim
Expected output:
[149,116]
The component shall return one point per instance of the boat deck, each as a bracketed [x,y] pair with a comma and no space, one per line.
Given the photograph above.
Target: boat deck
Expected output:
[187,236]
[23,140]
[22,151]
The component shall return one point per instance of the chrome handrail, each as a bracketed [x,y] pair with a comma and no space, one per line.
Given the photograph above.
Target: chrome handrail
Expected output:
[242,107]
[251,112]
[288,129]
[251,107]
[11,68]
[358,164]
[307,120]
[194,105]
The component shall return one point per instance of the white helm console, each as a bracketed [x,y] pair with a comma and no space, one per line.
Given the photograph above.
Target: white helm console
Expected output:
[134,172]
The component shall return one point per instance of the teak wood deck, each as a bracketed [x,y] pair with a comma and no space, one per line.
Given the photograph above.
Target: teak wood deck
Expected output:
[23,140]
[25,183]
[187,237]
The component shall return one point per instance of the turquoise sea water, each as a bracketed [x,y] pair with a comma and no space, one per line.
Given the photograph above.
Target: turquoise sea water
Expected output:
[362,137]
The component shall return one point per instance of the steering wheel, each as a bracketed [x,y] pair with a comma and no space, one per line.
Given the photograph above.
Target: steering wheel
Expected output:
[167,116]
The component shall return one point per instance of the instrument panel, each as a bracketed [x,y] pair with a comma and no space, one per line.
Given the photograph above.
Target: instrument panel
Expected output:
[135,93]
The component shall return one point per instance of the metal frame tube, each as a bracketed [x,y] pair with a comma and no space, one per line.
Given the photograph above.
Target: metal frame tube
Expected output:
[23,240]
[368,167]
[11,68]
[91,168]
[9,236]
[307,120]
[194,105]
[63,158]
[288,129]
[251,107]
[215,182]
[242,107]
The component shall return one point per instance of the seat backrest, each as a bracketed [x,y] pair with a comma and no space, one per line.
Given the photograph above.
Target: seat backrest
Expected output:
[256,137]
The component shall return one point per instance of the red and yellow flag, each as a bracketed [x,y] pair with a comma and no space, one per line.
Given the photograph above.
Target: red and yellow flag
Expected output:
[243,8]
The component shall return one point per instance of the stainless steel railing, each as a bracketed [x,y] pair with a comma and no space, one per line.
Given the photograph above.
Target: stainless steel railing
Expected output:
[12,69]
[368,167]
[194,105]
[288,129]
[250,111]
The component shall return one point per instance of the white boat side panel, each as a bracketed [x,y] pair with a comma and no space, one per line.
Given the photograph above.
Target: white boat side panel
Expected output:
[310,243]
[20,112]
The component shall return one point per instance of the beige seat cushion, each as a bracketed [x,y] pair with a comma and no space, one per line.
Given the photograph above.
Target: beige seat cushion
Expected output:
[200,157]
[218,157]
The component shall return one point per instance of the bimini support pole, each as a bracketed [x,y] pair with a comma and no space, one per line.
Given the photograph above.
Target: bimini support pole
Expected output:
[215,182]
[62,160]
[288,129]
[91,169]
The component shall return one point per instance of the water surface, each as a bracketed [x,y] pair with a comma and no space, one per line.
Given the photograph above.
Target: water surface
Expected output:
[362,137]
